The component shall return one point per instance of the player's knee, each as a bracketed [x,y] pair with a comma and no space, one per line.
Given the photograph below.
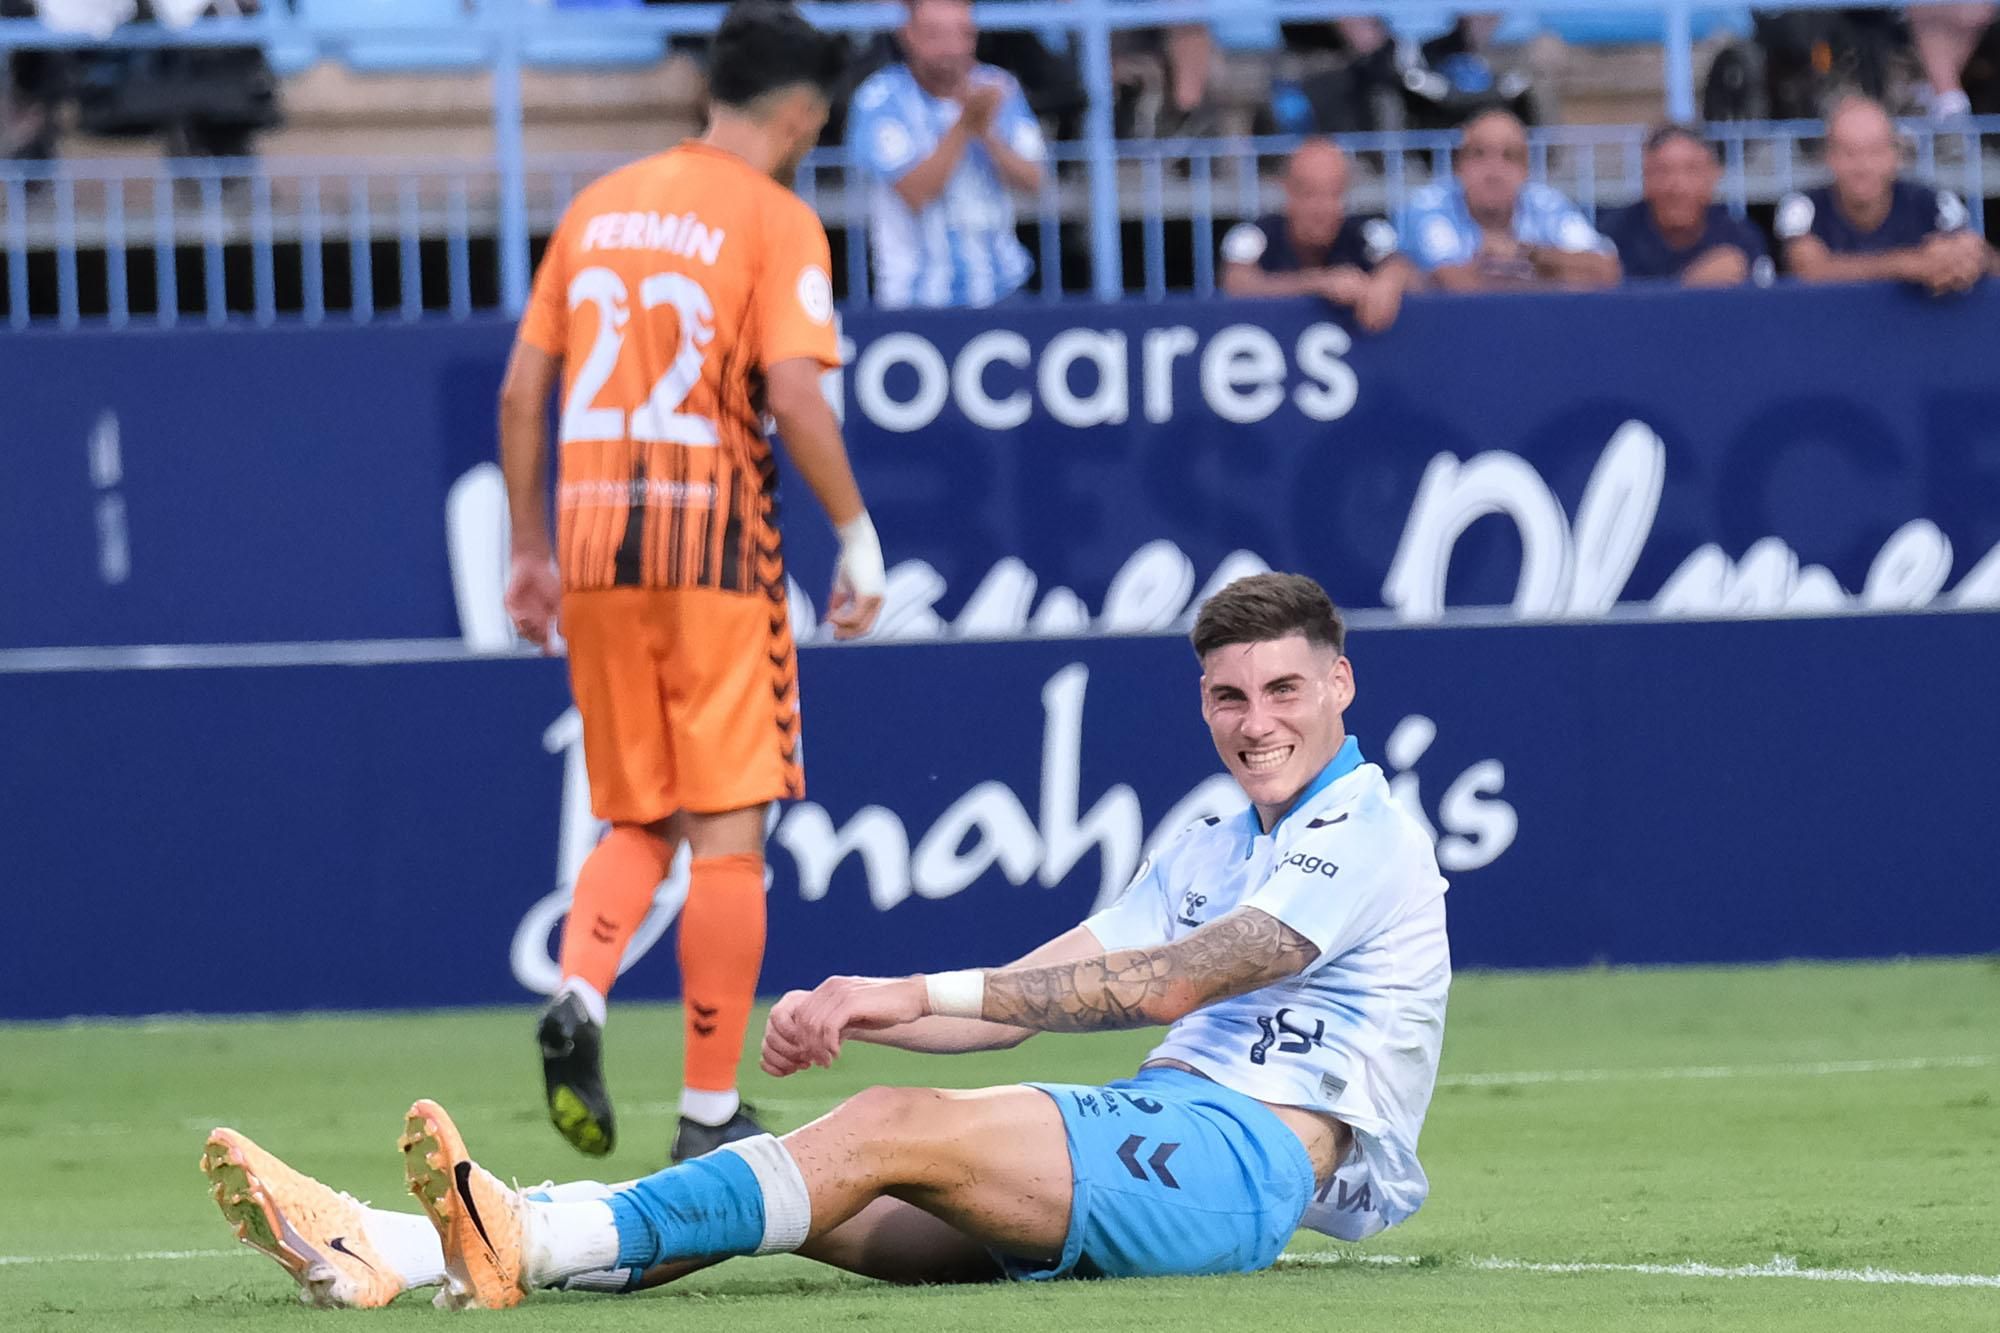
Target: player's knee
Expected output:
[653,837]
[896,1115]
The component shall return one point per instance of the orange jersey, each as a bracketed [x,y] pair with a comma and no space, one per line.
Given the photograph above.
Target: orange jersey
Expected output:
[667,291]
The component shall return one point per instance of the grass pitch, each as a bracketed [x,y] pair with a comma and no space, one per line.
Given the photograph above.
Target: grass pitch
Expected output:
[1631,1150]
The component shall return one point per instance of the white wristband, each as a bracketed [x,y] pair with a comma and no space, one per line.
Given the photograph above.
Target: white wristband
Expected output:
[957,994]
[861,556]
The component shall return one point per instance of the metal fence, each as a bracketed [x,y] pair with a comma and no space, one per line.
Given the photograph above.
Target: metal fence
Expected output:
[405,237]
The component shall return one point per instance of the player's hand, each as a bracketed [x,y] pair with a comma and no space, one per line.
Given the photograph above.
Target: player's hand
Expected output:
[859,580]
[534,594]
[840,1005]
[784,1050]
[851,614]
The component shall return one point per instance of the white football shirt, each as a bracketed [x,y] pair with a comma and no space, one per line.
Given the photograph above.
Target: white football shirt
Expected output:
[1358,1033]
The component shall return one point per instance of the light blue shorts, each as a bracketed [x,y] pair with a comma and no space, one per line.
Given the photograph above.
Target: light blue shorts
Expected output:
[1174,1175]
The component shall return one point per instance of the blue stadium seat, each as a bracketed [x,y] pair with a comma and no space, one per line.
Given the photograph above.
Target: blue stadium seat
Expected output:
[1248,25]
[580,47]
[292,52]
[386,52]
[1417,30]
[1633,28]
[1587,28]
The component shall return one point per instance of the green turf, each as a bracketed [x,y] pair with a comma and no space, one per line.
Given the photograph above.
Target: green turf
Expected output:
[101,1126]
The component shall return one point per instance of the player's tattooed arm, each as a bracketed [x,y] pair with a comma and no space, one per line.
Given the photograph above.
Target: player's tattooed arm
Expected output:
[1132,988]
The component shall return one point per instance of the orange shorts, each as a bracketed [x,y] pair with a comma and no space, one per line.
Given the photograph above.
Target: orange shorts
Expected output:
[689,698]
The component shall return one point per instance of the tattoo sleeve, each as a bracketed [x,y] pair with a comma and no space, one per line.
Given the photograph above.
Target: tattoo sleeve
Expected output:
[1132,988]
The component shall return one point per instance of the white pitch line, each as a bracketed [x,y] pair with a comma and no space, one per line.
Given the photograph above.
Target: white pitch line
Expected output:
[1794,1069]
[1780,1267]
[136,1257]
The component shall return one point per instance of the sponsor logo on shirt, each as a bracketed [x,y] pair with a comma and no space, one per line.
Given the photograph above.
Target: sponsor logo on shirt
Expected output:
[1312,865]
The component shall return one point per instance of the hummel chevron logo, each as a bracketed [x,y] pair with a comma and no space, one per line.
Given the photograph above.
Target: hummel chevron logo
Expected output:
[340,1243]
[1327,823]
[1128,1153]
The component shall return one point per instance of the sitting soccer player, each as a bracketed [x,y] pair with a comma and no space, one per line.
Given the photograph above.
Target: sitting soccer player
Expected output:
[1297,953]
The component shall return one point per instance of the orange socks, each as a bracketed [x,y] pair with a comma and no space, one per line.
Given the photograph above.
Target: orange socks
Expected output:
[722,950]
[614,891]
[721,942]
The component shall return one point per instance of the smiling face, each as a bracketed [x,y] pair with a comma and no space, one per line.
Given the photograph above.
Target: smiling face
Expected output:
[1273,709]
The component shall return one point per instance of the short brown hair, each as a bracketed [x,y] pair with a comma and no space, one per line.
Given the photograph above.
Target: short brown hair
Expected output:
[1262,607]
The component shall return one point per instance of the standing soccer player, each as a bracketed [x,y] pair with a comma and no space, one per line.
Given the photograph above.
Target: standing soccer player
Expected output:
[680,299]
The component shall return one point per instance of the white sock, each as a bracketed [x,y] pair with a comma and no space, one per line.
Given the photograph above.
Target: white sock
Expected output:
[614,1280]
[787,1205]
[573,1191]
[592,998]
[709,1108]
[409,1242]
[566,1239]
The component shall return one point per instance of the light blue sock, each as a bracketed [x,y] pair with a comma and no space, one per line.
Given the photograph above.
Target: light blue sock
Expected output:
[712,1205]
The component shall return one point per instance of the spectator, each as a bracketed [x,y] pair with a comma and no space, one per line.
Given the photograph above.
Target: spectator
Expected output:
[31,92]
[946,139]
[1945,38]
[1190,61]
[1048,78]
[1869,225]
[1488,229]
[1677,230]
[1173,103]
[1439,83]
[1314,248]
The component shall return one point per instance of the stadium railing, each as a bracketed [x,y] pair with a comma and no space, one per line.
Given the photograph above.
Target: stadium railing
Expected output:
[431,218]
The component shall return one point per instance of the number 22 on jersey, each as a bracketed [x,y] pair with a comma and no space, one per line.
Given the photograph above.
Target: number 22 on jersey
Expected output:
[659,419]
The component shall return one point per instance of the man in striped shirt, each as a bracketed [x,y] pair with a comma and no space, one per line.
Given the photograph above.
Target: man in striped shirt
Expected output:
[945,139]
[1490,228]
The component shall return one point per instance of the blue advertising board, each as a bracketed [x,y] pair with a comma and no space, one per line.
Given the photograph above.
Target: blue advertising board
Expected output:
[277,838]
[1070,469]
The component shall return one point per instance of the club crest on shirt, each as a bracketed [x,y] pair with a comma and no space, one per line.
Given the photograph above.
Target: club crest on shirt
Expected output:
[1192,902]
